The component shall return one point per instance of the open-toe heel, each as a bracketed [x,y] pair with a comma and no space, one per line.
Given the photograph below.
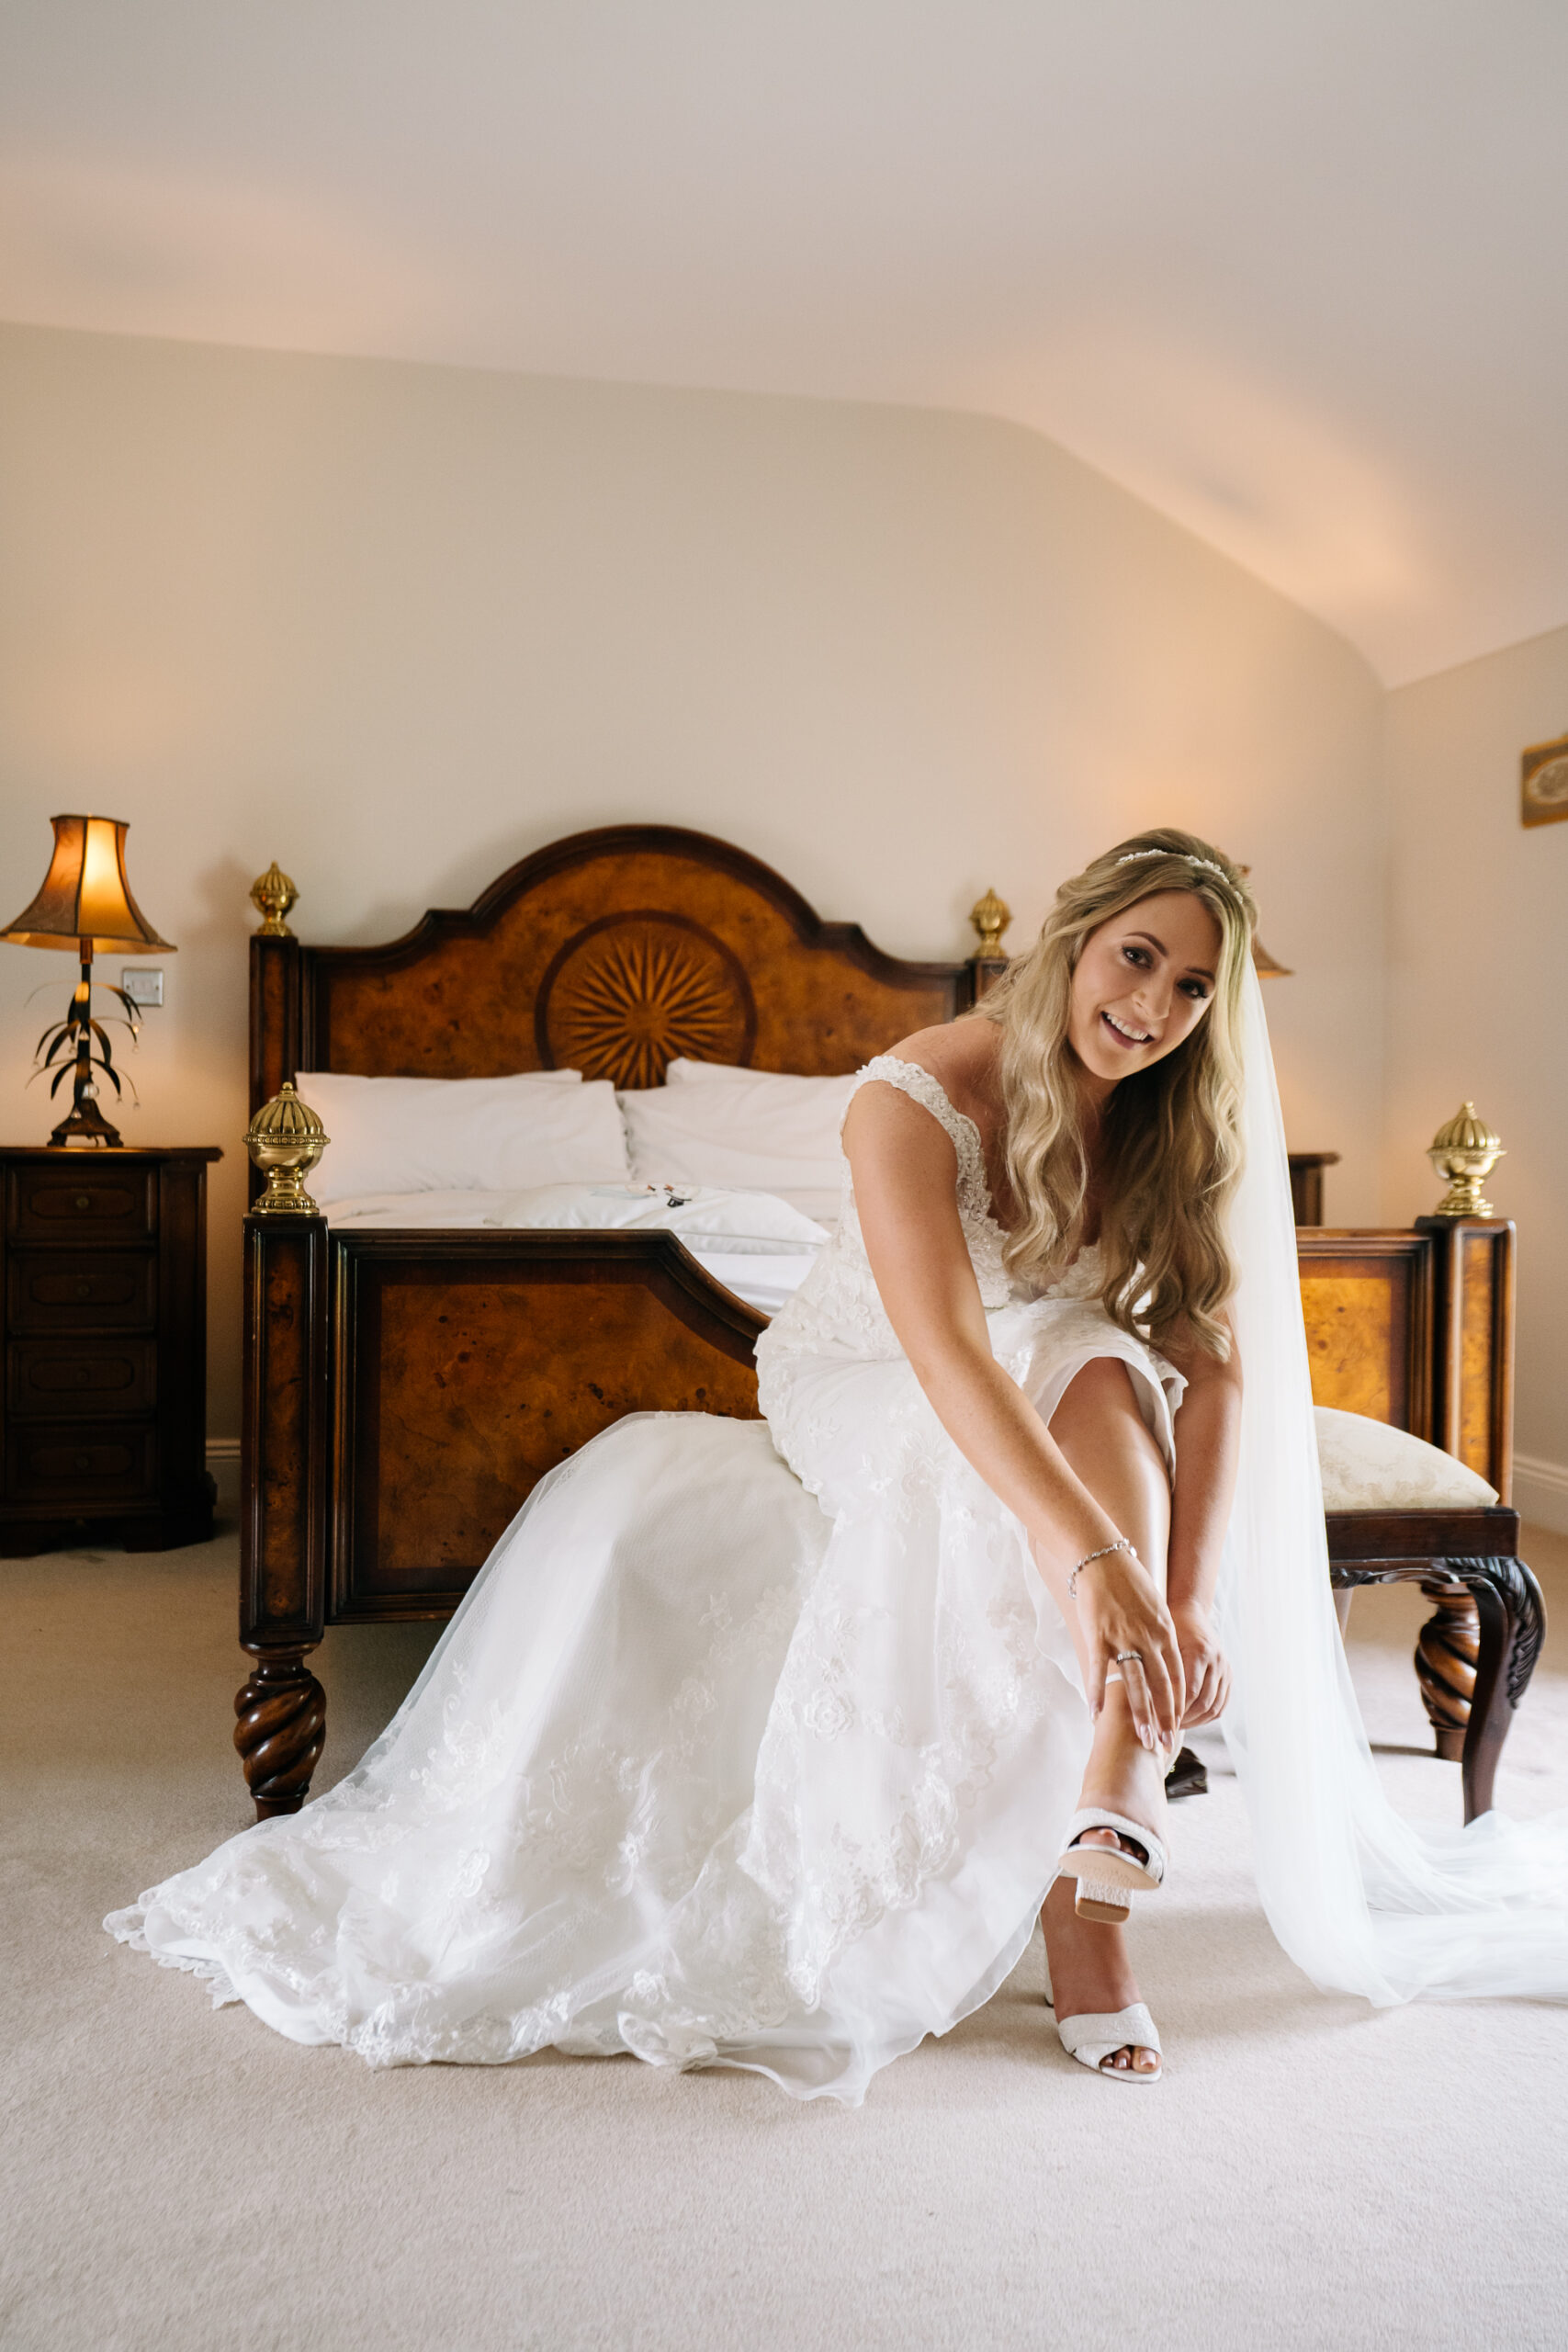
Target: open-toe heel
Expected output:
[1109,1876]
[1095,2035]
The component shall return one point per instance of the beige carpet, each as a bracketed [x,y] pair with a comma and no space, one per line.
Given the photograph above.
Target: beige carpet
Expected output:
[1308,2173]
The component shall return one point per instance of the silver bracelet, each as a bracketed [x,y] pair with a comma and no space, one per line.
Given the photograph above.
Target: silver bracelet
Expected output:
[1121,1545]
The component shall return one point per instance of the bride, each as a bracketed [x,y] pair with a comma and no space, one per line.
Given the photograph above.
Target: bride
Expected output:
[764,1743]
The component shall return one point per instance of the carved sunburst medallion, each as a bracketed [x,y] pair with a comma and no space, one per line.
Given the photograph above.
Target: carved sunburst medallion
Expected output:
[629,993]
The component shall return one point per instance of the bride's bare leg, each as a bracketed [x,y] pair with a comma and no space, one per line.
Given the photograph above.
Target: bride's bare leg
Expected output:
[1104,1435]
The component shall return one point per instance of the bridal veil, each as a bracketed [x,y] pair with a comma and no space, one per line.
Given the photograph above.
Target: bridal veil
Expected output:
[1362,1899]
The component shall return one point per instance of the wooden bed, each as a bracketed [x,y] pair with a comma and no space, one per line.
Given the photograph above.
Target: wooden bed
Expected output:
[405,1389]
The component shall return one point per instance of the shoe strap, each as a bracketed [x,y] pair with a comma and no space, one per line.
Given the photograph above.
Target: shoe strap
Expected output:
[1095,2033]
[1095,1818]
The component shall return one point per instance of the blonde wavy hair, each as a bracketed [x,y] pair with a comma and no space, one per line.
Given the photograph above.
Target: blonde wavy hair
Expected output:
[1169,1148]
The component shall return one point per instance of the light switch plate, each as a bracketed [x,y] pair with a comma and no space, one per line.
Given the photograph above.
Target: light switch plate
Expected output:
[143,983]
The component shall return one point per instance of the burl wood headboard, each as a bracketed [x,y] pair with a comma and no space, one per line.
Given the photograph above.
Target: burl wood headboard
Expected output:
[611,953]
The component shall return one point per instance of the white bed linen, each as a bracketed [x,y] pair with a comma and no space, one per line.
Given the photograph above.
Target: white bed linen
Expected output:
[757,1244]
[766,1283]
[821,1207]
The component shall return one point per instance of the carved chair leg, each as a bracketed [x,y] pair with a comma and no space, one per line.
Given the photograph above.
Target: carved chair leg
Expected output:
[282,1725]
[1512,1619]
[1446,1652]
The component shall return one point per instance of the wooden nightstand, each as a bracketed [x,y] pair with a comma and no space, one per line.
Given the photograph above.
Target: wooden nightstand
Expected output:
[103,1416]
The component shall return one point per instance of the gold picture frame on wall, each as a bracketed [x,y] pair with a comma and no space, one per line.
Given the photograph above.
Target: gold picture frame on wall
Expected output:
[1543,783]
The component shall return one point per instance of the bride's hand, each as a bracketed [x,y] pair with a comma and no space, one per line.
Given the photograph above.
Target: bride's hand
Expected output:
[1204,1664]
[1120,1608]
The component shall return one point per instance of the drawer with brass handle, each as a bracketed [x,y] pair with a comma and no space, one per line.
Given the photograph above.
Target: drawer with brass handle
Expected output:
[92,1205]
[91,1377]
[64,1466]
[75,1290]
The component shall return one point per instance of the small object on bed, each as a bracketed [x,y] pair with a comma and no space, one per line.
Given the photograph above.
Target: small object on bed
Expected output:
[284,1140]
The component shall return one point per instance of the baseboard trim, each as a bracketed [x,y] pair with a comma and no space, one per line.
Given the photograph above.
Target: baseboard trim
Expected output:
[1541,1492]
[223,1469]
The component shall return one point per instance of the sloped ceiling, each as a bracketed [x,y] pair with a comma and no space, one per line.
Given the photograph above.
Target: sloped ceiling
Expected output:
[1297,271]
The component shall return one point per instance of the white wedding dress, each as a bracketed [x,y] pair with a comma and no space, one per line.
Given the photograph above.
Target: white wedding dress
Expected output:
[720,1760]
[754,1743]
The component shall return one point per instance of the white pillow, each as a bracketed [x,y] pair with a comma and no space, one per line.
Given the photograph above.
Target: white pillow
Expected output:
[682,1071]
[822,1204]
[1367,1465]
[759,1130]
[422,1134]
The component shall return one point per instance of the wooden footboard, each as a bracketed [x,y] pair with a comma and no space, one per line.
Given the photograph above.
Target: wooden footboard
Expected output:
[468,1364]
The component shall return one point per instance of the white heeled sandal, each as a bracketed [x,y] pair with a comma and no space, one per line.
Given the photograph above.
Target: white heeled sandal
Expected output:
[1107,1876]
[1095,2035]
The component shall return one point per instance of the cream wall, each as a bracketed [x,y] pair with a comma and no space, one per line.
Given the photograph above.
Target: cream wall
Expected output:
[1478,980]
[397,625]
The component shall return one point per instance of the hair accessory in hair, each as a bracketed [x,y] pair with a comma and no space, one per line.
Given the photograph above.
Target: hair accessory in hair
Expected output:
[1187,853]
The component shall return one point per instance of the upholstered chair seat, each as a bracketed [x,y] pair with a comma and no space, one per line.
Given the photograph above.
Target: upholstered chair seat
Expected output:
[1367,1465]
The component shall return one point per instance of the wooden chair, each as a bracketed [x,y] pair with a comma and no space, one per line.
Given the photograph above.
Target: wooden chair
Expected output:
[1415,1328]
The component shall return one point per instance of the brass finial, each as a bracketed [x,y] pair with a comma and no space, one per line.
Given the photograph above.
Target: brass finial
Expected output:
[1464,1152]
[284,1140]
[990,917]
[272,895]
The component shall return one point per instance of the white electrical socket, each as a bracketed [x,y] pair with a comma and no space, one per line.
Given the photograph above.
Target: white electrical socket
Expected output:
[143,983]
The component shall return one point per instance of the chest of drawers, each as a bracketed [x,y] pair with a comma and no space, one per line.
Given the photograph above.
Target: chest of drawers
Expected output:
[103,1407]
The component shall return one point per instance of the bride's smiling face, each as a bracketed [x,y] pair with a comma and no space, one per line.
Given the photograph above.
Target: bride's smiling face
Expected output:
[1143,984]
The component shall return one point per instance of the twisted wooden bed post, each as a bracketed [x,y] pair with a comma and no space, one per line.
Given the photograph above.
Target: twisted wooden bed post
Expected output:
[283,1535]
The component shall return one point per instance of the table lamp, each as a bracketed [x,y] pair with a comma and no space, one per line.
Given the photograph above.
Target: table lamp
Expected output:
[85,904]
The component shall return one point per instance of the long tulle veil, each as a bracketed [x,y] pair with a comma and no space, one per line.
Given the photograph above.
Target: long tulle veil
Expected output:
[1362,1899]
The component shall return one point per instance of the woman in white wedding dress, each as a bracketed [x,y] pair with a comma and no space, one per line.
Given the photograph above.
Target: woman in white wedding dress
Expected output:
[763,1744]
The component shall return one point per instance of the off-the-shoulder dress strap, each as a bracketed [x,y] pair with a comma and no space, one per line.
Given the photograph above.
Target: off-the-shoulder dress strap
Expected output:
[932,1095]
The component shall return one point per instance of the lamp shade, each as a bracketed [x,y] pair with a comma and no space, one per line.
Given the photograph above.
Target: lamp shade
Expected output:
[86,894]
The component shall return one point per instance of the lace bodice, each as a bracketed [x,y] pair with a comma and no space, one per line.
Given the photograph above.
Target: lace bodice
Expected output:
[837,1311]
